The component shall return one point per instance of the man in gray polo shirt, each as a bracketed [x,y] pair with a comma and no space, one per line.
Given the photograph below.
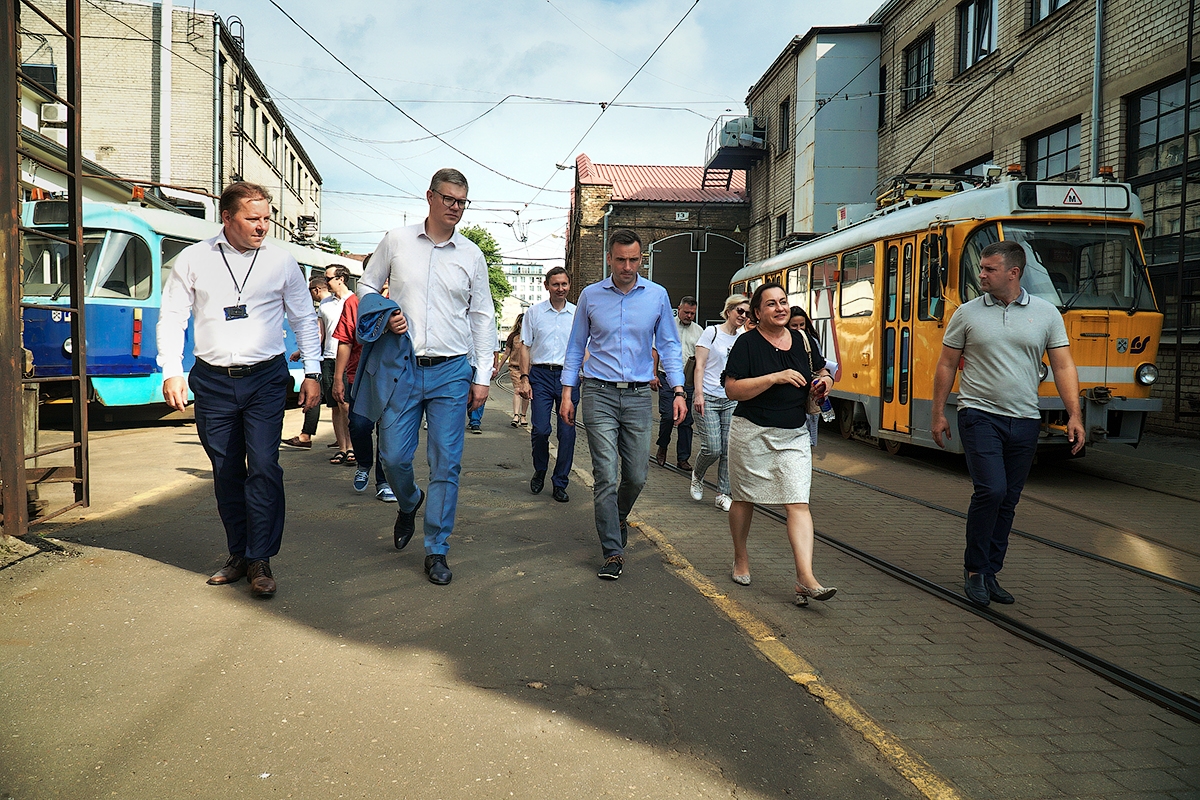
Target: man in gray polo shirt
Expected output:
[1000,336]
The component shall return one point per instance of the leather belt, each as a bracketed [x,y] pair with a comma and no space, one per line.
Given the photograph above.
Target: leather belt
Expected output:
[433,361]
[551,367]
[241,370]
[621,384]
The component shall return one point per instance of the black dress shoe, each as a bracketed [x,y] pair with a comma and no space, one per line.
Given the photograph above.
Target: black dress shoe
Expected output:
[995,592]
[977,593]
[538,481]
[406,524]
[560,494]
[436,569]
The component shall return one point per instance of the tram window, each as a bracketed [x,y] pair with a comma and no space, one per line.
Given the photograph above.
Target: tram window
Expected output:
[797,279]
[739,288]
[968,265]
[45,268]
[906,280]
[858,282]
[824,277]
[122,268]
[754,284]
[905,361]
[171,248]
[929,287]
[893,260]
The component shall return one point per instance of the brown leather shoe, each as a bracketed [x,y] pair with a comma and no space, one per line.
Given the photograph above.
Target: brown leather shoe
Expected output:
[233,571]
[661,458]
[261,582]
[686,466]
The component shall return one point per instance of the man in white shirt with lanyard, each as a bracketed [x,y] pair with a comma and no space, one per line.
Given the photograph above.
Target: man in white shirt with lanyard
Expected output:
[439,278]
[545,330]
[238,289]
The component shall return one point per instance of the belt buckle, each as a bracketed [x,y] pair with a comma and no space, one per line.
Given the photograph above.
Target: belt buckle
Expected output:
[424,361]
[622,384]
[238,372]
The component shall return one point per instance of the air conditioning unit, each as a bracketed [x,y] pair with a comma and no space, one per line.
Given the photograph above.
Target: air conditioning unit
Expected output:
[53,113]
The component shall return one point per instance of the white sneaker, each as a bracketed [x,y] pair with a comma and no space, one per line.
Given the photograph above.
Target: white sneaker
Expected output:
[697,489]
[385,494]
[724,501]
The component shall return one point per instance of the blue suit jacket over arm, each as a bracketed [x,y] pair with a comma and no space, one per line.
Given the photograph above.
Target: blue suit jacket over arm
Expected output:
[385,368]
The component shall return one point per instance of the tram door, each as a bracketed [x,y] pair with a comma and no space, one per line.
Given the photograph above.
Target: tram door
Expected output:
[896,375]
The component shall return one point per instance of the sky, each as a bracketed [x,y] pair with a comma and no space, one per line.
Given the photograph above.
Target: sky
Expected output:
[515,86]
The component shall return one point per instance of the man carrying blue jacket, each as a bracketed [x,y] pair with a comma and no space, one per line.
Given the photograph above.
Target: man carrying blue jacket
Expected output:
[618,321]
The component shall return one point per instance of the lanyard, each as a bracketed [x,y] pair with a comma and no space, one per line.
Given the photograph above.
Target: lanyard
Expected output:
[245,280]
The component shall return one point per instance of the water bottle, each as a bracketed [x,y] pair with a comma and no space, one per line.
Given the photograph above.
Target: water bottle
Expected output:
[827,413]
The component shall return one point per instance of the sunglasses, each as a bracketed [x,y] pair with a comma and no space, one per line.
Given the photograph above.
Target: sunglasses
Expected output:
[741,312]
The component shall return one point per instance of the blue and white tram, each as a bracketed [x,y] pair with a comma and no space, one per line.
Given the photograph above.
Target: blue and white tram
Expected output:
[128,252]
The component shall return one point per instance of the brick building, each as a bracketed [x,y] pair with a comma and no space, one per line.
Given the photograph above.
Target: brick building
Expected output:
[694,236]
[176,107]
[1010,82]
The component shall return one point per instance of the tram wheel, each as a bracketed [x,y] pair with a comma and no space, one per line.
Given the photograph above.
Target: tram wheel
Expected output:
[893,447]
[845,419]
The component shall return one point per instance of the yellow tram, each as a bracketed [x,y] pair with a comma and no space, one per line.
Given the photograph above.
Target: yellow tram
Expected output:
[880,292]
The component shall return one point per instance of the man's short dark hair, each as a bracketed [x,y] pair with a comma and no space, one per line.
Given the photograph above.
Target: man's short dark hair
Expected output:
[688,301]
[235,193]
[339,271]
[556,271]
[318,282]
[1012,253]
[622,236]
[447,175]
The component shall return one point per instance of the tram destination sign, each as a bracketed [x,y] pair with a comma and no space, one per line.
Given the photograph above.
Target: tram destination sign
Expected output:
[1074,196]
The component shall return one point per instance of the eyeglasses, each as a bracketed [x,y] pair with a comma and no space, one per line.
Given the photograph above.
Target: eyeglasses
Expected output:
[741,312]
[452,202]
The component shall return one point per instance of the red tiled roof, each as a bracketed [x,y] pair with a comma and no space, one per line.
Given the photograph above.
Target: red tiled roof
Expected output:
[658,184]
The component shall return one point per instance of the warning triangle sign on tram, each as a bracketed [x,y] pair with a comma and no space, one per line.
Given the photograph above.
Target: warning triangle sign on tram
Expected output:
[1072,198]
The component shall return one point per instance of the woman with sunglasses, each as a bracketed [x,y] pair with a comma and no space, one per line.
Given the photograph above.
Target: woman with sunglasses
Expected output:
[770,372]
[711,408]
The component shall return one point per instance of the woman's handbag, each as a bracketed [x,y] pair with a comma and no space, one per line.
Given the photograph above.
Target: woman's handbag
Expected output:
[812,406]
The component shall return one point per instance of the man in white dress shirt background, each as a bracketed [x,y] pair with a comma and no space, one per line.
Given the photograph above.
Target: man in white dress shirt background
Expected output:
[439,278]
[237,289]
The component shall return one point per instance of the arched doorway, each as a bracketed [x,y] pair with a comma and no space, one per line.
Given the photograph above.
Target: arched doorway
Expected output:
[697,263]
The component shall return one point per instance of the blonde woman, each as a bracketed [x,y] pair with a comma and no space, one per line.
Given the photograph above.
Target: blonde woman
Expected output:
[712,409]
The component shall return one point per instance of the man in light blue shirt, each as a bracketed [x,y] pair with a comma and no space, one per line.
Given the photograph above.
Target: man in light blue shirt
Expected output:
[545,329]
[618,321]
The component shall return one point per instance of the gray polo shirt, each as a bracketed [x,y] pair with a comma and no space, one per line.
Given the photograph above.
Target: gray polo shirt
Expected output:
[1002,348]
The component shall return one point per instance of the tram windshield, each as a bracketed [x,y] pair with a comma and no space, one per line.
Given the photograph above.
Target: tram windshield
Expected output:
[118,266]
[1072,265]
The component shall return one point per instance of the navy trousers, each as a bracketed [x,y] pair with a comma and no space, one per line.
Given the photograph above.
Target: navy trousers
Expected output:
[362,433]
[546,385]
[666,420]
[999,452]
[240,422]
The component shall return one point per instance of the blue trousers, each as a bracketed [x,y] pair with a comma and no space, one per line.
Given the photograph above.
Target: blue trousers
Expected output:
[240,421]
[441,394]
[666,421]
[618,424]
[475,417]
[999,452]
[547,396]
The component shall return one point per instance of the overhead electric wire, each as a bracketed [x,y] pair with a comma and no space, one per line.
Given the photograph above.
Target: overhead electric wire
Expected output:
[407,116]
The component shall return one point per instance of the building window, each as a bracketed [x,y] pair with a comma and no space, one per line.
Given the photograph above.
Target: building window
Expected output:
[882,96]
[781,229]
[1155,149]
[976,167]
[918,70]
[253,132]
[1044,8]
[1055,153]
[976,32]
[785,125]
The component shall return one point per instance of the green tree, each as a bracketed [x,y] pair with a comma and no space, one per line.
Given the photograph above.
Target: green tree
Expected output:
[499,284]
[334,244]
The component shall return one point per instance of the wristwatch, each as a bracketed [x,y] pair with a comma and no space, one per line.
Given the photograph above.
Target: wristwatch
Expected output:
[316,376]
[681,394]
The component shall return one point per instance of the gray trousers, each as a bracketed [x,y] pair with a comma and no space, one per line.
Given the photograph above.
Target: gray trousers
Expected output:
[618,425]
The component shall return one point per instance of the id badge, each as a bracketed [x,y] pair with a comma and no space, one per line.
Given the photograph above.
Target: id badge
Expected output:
[235,312]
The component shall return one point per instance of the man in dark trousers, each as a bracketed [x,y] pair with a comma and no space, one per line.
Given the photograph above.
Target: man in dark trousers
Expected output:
[1000,337]
[237,289]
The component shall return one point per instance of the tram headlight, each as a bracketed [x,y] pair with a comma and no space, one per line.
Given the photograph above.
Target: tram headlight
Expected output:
[1043,371]
[1147,374]
[67,346]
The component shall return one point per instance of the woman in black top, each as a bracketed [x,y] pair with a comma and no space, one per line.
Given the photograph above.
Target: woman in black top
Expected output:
[769,372]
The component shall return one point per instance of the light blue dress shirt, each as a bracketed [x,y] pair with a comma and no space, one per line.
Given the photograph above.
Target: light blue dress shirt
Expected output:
[546,331]
[618,331]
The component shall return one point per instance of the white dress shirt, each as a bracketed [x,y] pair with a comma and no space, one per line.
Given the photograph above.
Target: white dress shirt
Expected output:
[200,286]
[545,332]
[444,292]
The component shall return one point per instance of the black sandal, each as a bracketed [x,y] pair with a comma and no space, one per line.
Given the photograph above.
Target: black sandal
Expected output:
[350,459]
[340,458]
